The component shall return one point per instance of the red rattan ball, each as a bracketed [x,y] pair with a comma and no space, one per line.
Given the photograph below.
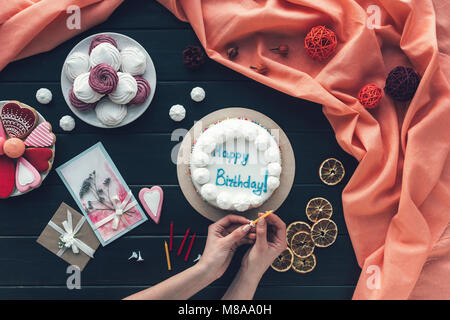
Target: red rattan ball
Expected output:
[320,43]
[370,95]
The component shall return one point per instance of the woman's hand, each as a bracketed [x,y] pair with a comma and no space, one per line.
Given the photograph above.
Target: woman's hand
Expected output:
[270,242]
[224,237]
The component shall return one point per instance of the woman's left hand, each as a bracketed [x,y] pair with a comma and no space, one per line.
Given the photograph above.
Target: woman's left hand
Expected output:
[224,237]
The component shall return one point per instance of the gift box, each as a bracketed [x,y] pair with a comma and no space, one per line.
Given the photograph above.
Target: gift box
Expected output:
[70,237]
[101,193]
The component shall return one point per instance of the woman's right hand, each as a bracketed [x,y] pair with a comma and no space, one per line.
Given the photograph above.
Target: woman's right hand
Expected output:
[270,242]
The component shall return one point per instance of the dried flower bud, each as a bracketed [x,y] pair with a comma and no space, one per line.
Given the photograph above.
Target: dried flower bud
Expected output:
[282,50]
[233,52]
[193,57]
[260,68]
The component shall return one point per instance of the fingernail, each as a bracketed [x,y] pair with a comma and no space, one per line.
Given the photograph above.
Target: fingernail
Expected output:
[261,222]
[246,228]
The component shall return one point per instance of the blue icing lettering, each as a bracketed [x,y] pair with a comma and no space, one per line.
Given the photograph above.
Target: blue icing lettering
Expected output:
[257,187]
[231,157]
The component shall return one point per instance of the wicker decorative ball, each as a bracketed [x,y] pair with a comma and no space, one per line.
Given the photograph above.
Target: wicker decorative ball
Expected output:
[402,83]
[320,43]
[370,95]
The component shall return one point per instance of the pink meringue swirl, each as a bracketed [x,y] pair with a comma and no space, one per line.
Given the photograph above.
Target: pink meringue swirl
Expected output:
[78,104]
[103,78]
[143,91]
[101,39]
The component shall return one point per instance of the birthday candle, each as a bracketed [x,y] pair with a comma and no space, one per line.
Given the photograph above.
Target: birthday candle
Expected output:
[184,240]
[190,247]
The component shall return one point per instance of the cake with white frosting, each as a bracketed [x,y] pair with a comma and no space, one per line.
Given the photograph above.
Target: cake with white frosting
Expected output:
[236,164]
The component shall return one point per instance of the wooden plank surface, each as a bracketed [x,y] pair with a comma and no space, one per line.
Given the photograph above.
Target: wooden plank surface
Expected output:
[28,271]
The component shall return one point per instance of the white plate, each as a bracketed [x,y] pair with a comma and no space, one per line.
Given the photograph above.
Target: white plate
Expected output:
[134,111]
[44,175]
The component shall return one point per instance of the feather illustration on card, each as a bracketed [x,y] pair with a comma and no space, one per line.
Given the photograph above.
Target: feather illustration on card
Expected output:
[102,194]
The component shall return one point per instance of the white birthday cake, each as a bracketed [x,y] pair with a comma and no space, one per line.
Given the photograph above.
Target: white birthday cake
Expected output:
[236,164]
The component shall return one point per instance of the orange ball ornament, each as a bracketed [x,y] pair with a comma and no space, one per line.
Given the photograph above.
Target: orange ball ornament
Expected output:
[370,95]
[14,148]
[320,43]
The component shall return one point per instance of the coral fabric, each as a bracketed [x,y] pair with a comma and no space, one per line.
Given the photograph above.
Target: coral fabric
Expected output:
[33,26]
[396,204]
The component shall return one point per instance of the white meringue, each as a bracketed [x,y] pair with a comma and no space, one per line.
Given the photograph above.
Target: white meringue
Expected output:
[200,159]
[255,200]
[106,53]
[272,155]
[67,123]
[224,200]
[274,169]
[262,142]
[83,90]
[44,96]
[207,143]
[126,89]
[209,191]
[198,94]
[272,183]
[76,64]
[177,112]
[134,61]
[241,203]
[201,175]
[250,132]
[110,113]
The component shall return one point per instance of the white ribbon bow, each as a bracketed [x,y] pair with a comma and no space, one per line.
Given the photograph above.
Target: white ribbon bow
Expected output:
[120,209]
[68,236]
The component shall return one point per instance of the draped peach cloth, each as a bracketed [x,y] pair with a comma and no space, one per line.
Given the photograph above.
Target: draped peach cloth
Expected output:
[397,203]
[28,27]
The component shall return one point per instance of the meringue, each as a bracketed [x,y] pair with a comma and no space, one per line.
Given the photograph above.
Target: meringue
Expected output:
[201,175]
[67,123]
[101,38]
[224,200]
[200,159]
[274,169]
[83,90]
[103,78]
[143,92]
[134,61]
[78,104]
[106,53]
[177,112]
[209,191]
[110,113]
[77,63]
[241,203]
[198,94]
[262,142]
[44,96]
[126,90]
[273,183]
[272,155]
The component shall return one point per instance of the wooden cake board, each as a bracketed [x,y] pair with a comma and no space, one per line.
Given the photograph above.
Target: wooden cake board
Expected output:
[183,169]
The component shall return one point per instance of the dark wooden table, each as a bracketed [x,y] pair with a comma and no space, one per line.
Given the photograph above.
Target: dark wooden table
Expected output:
[142,153]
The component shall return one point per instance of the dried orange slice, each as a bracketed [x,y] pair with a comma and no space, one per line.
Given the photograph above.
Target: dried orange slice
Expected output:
[304,265]
[295,227]
[284,261]
[318,208]
[324,233]
[331,171]
[302,245]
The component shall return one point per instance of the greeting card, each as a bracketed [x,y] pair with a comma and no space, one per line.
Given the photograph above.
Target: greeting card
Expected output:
[102,194]
[70,237]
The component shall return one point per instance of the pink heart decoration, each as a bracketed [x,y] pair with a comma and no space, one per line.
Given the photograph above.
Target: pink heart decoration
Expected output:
[41,137]
[27,177]
[152,200]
